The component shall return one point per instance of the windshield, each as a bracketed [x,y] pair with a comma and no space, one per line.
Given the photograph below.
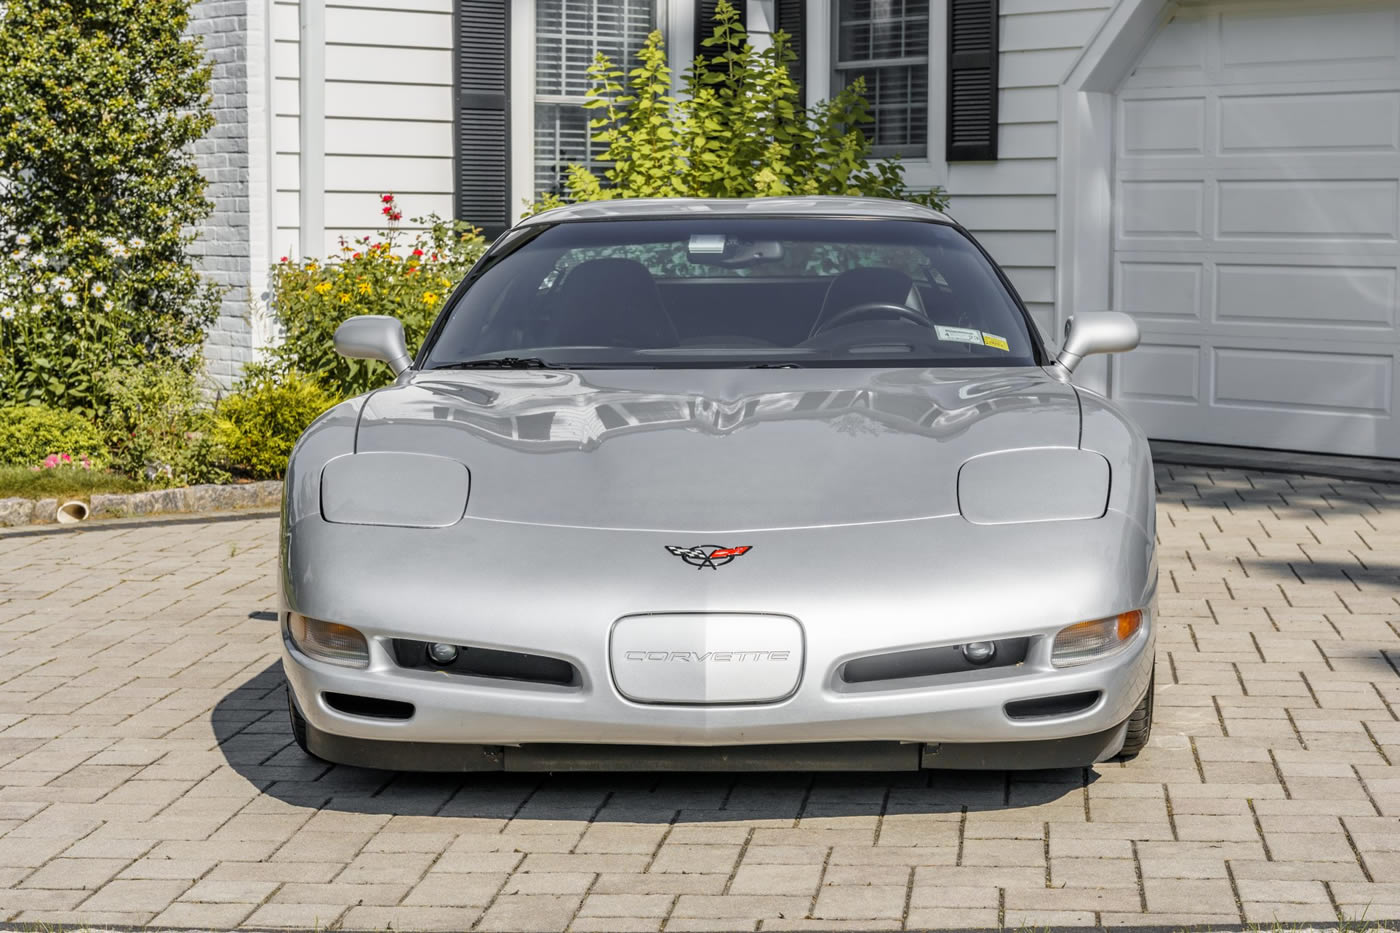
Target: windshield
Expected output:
[734,292]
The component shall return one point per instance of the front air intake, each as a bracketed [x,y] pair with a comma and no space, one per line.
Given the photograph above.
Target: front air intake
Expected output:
[368,707]
[488,662]
[932,662]
[1066,704]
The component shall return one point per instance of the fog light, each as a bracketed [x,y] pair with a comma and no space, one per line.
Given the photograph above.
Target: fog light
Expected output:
[329,641]
[979,652]
[1096,640]
[441,653]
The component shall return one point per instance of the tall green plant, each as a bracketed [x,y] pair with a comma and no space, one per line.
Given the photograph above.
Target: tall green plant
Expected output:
[739,130]
[100,104]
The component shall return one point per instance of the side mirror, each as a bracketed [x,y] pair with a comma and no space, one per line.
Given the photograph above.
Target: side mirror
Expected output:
[374,337]
[1096,332]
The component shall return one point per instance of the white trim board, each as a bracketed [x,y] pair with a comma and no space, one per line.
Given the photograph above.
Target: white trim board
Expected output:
[1084,207]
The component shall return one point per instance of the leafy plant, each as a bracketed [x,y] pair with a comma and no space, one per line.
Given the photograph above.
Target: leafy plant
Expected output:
[29,433]
[100,104]
[377,274]
[738,131]
[256,427]
[158,428]
[63,483]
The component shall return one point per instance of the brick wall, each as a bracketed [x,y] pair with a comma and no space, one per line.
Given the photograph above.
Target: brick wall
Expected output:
[224,246]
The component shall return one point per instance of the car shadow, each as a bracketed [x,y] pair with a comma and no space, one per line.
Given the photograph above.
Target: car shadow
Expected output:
[251,727]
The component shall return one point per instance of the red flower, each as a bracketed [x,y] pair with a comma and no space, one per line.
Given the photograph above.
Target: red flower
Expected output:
[387,198]
[355,256]
[418,252]
[396,215]
[388,210]
[284,258]
[434,257]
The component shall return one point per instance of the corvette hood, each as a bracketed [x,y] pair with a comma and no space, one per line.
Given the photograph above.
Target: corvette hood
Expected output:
[717,450]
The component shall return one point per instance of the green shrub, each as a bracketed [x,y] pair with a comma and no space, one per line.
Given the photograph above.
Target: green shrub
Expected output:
[29,433]
[158,428]
[311,298]
[256,427]
[101,102]
[738,131]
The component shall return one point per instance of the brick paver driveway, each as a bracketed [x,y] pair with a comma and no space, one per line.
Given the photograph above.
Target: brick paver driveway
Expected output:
[147,773]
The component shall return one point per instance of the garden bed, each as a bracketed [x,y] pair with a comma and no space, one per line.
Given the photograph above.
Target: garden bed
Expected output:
[22,510]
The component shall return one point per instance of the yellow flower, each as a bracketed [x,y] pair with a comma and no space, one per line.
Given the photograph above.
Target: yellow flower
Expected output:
[429,298]
[444,283]
[322,288]
[365,289]
[344,298]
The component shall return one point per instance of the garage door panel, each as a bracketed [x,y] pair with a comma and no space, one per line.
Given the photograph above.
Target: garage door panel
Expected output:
[1303,381]
[1257,227]
[1281,124]
[1362,209]
[1160,291]
[1319,37]
[1163,126]
[1306,297]
[1161,373]
[1162,209]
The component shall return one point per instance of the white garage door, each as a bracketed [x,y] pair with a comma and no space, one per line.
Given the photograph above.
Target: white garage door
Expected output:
[1257,227]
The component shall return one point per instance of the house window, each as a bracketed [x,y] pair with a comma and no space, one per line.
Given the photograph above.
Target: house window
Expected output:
[886,43]
[568,34]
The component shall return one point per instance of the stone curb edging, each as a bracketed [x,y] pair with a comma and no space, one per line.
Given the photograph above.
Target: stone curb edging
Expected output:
[208,498]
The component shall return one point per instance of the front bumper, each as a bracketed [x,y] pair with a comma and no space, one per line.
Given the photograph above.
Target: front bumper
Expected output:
[411,583]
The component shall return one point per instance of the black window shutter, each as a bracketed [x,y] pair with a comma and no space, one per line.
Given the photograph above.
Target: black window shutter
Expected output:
[972,80]
[791,16]
[481,146]
[705,24]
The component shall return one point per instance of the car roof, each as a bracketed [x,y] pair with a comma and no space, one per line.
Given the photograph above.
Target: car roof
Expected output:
[675,208]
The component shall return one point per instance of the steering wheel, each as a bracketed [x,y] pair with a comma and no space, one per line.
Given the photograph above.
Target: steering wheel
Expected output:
[887,308]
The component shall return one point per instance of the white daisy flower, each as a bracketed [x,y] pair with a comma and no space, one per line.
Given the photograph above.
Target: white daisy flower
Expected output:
[18,255]
[119,251]
[99,289]
[37,288]
[110,241]
[69,299]
[136,243]
[7,314]
[23,239]
[107,306]
[35,309]
[62,284]
[38,261]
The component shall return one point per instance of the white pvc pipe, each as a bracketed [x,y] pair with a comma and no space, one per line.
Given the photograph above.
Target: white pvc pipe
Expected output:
[70,512]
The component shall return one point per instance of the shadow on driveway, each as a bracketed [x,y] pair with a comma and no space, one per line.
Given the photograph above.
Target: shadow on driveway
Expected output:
[250,723]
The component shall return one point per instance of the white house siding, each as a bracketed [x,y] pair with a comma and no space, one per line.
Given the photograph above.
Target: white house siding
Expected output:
[387,120]
[1010,204]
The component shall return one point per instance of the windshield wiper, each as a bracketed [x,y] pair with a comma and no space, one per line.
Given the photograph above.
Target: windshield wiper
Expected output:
[776,366]
[503,362]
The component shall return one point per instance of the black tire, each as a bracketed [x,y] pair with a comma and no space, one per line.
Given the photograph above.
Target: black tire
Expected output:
[1139,724]
[298,723]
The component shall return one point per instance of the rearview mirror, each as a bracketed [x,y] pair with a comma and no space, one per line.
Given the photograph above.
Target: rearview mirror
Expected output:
[374,337]
[1096,332]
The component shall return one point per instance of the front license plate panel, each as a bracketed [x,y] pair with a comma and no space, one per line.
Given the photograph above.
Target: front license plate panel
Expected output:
[706,658]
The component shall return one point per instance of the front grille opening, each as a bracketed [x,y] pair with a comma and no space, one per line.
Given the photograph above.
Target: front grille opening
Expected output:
[930,662]
[488,662]
[368,707]
[1066,704]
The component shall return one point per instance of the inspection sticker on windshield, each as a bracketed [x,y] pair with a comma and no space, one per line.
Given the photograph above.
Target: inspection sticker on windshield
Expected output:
[992,340]
[958,334]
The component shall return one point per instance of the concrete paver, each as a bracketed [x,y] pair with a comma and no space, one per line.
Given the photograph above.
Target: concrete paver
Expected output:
[147,775]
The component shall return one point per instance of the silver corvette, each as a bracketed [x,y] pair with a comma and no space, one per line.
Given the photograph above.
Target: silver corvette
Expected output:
[787,483]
